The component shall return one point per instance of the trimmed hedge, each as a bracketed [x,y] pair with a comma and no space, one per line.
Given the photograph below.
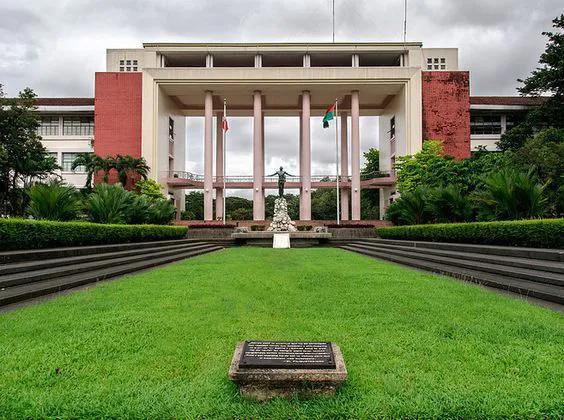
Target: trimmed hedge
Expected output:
[28,234]
[539,233]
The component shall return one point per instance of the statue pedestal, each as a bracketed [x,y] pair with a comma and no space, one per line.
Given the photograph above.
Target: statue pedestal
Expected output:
[281,240]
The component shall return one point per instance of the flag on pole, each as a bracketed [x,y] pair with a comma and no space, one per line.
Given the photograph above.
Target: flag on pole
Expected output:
[329,115]
[224,125]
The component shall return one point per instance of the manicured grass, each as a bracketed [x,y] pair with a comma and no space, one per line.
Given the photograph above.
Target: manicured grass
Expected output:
[158,344]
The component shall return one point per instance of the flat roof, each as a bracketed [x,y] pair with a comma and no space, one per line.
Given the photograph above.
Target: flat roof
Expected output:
[507,100]
[280,44]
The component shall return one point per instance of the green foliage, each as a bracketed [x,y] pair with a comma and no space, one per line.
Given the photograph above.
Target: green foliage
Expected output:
[195,205]
[26,234]
[450,204]
[544,154]
[543,233]
[428,168]
[509,195]
[54,201]
[109,204]
[546,80]
[149,188]
[160,212]
[372,157]
[130,168]
[92,164]
[240,214]
[23,159]
[411,208]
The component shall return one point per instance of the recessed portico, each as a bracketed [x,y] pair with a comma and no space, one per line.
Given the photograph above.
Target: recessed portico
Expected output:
[299,92]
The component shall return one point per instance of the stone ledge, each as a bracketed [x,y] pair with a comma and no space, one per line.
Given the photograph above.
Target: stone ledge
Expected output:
[264,384]
[266,235]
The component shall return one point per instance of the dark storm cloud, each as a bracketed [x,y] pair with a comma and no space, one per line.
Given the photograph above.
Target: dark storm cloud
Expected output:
[56,46]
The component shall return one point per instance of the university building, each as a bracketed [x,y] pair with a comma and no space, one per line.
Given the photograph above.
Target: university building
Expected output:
[144,96]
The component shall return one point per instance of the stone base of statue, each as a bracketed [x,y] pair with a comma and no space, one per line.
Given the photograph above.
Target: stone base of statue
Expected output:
[281,221]
[281,240]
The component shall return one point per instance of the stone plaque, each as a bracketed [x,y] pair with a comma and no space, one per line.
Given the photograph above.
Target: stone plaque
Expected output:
[287,355]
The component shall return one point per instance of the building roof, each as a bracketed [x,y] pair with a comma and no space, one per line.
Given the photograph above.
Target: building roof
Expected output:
[507,100]
[65,101]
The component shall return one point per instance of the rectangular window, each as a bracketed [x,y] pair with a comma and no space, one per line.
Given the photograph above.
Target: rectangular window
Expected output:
[48,126]
[78,126]
[392,127]
[68,159]
[514,119]
[443,60]
[485,124]
[429,60]
[170,129]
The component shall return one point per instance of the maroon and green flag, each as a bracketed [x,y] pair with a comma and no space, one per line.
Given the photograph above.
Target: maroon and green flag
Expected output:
[329,115]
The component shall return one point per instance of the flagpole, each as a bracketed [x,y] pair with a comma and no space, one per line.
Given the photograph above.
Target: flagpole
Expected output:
[223,133]
[337,158]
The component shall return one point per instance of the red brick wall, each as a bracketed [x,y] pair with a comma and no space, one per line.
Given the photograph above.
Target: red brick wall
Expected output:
[117,115]
[446,110]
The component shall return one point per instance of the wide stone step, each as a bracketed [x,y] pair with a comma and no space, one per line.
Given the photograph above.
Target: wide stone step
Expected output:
[542,291]
[32,290]
[528,263]
[39,275]
[28,266]
[7,257]
[508,251]
[523,273]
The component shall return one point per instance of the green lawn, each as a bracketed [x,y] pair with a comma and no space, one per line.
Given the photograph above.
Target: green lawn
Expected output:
[158,344]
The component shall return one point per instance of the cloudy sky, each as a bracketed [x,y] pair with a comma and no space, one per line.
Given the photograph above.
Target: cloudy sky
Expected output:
[56,46]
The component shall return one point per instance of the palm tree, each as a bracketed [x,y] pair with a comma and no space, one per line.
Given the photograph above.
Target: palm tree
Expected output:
[92,164]
[510,195]
[106,165]
[129,167]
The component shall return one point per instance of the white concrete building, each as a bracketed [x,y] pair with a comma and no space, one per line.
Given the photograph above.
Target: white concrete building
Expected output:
[66,129]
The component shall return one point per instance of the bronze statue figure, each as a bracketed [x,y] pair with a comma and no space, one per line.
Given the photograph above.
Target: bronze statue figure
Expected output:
[281,180]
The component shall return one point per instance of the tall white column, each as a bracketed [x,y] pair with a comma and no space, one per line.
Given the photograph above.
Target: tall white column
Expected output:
[258,158]
[305,158]
[345,192]
[355,155]
[208,156]
[219,165]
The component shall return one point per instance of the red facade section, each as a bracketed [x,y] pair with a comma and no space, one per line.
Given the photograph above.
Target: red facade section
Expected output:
[117,115]
[446,110]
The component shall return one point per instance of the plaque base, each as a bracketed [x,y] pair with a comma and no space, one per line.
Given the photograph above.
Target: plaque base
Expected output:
[265,384]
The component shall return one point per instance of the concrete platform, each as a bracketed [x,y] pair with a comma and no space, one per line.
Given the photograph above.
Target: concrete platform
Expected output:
[297,239]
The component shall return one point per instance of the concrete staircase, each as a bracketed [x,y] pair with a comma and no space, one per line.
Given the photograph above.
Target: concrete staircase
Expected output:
[534,272]
[29,274]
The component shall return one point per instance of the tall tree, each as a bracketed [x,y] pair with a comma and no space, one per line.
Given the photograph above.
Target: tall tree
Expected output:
[547,79]
[23,158]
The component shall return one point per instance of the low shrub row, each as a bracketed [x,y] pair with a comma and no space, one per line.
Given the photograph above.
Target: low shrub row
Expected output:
[27,234]
[538,233]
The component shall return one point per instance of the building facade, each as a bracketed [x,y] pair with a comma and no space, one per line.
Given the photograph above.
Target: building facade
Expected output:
[144,96]
[67,129]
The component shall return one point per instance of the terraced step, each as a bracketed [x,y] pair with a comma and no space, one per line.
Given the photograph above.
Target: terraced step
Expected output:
[66,270]
[529,263]
[30,290]
[508,251]
[7,257]
[27,266]
[543,291]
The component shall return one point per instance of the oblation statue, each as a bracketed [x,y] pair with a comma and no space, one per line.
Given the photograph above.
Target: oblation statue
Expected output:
[281,180]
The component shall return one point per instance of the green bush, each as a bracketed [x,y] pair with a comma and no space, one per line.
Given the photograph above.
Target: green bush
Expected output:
[53,201]
[541,233]
[26,234]
[109,204]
